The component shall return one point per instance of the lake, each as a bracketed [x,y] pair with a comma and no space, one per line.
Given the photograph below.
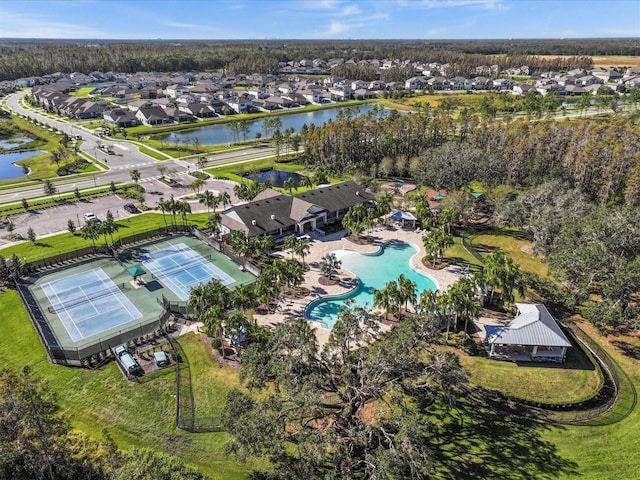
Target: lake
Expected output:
[275,177]
[13,142]
[8,170]
[217,134]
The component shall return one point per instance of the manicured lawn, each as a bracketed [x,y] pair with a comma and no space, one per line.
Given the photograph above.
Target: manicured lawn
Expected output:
[599,450]
[141,415]
[514,243]
[66,242]
[572,383]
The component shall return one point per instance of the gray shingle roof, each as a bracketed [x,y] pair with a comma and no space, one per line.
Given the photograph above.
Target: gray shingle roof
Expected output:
[533,326]
[337,197]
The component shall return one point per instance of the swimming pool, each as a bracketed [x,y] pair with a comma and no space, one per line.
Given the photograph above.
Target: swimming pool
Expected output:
[373,272]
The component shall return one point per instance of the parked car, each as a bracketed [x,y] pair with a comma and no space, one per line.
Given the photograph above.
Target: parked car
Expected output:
[131,208]
[126,360]
[91,217]
[161,359]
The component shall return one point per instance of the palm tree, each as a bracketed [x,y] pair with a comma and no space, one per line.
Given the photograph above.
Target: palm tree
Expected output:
[172,207]
[301,248]
[183,208]
[199,300]
[330,265]
[239,243]
[135,175]
[196,185]
[201,163]
[225,199]
[463,302]
[406,291]
[386,298]
[214,319]
[384,203]
[436,242]
[448,217]
[91,230]
[109,226]
[290,185]
[501,272]
[290,243]
[244,297]
[163,206]
[213,223]
[306,181]
[423,209]
[208,199]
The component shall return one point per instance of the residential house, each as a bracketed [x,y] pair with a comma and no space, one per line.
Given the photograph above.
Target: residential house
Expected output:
[414,83]
[153,116]
[120,118]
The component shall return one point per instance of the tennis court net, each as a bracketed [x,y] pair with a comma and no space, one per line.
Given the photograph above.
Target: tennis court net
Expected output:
[87,299]
[193,262]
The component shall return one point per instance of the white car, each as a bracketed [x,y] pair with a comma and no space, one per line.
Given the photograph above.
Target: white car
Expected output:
[91,217]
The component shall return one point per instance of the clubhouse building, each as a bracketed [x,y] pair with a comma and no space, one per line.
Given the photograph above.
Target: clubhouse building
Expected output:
[279,215]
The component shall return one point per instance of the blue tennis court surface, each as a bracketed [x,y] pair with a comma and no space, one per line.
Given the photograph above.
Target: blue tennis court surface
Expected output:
[89,303]
[180,268]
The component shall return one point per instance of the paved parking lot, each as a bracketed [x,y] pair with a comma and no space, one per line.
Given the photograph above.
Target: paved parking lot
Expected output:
[54,220]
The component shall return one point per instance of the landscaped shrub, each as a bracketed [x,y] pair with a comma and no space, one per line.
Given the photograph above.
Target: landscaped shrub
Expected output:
[464,342]
[216,343]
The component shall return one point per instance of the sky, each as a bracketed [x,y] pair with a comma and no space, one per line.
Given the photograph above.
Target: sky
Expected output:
[318,19]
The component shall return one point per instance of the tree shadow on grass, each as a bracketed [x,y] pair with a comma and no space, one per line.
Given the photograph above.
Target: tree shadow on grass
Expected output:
[473,441]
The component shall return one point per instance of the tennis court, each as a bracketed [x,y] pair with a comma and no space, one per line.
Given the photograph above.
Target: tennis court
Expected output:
[88,303]
[180,268]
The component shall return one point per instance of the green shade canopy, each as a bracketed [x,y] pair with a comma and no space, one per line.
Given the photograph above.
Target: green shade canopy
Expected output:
[440,197]
[476,194]
[136,271]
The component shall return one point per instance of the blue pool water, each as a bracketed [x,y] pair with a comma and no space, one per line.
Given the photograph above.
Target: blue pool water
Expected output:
[373,271]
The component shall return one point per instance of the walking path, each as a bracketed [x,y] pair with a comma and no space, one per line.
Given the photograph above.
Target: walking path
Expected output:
[321,245]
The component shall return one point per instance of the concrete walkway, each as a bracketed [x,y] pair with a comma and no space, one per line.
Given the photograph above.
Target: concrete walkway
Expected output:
[321,245]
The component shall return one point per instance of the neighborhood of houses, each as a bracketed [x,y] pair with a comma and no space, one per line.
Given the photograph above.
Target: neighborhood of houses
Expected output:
[152,99]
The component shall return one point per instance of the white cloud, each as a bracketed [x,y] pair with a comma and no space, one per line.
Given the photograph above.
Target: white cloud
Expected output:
[184,25]
[337,28]
[351,10]
[486,4]
[34,26]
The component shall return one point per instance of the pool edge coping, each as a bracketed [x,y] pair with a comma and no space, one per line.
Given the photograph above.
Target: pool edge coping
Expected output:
[358,282]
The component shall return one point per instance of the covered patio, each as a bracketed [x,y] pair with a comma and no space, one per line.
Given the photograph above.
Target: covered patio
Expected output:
[533,335]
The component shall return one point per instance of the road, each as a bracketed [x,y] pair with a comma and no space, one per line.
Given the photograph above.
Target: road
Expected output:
[127,157]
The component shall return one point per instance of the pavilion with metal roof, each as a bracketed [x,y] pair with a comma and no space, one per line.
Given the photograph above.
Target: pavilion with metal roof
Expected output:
[535,330]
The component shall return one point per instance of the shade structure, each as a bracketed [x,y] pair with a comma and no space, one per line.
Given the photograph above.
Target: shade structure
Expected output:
[136,271]
[440,197]
[399,215]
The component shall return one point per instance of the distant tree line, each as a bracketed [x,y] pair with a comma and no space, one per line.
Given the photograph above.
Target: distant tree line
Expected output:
[20,58]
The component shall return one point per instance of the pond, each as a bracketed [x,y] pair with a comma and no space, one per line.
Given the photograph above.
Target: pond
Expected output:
[275,177]
[8,169]
[217,134]
[11,143]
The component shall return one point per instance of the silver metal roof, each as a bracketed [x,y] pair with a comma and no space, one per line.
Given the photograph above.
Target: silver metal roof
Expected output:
[533,326]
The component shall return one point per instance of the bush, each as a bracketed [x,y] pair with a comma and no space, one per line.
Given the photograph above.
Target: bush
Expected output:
[216,343]
[464,342]
[200,175]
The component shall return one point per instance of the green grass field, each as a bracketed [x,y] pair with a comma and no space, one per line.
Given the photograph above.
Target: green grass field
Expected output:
[469,440]
[141,415]
[66,242]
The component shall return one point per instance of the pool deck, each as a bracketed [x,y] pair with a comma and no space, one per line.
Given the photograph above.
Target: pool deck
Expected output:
[294,307]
